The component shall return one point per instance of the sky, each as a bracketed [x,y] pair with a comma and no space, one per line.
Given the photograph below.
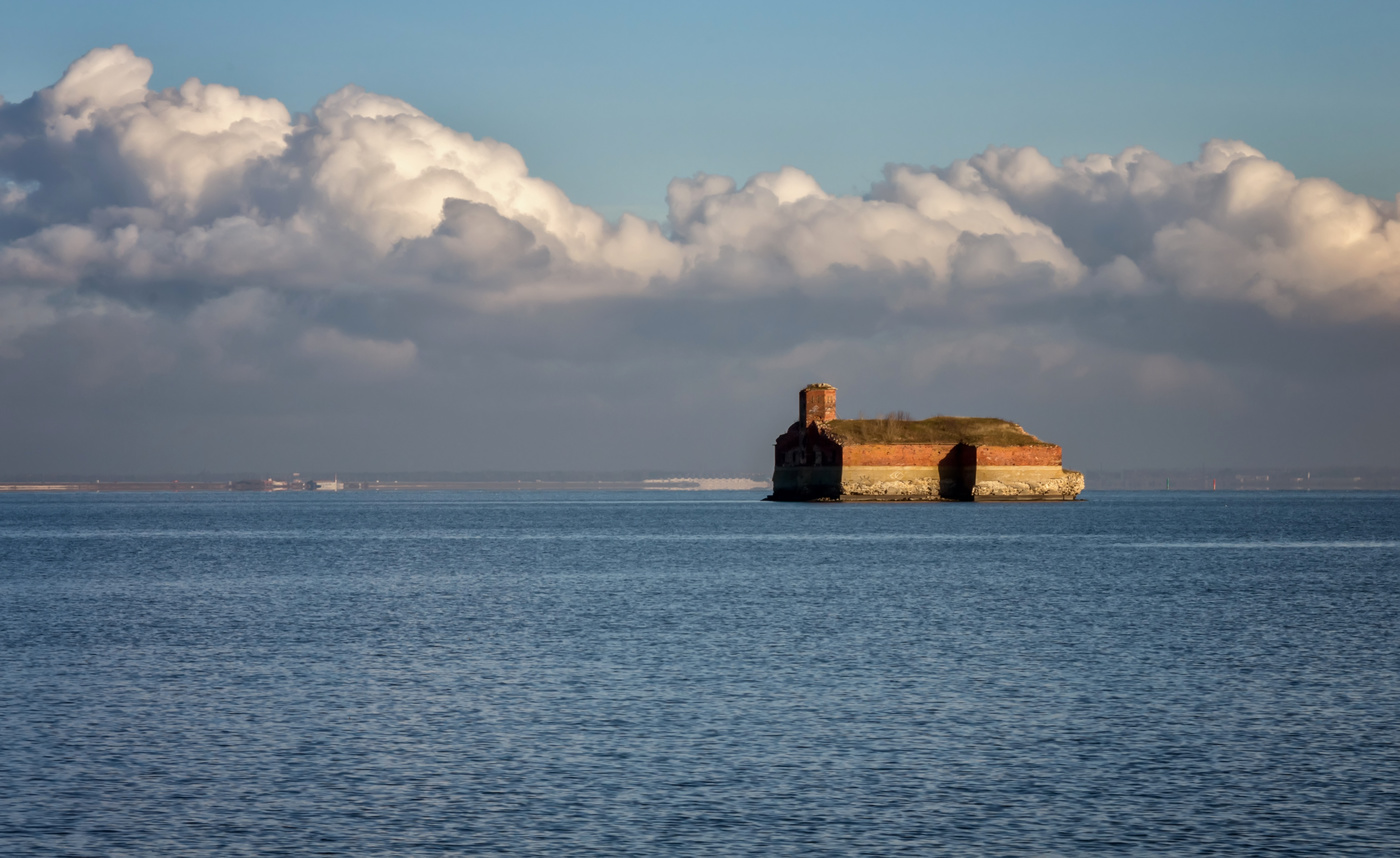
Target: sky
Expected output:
[459,237]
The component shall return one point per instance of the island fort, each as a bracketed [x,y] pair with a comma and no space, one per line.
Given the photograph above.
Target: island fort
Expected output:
[821,457]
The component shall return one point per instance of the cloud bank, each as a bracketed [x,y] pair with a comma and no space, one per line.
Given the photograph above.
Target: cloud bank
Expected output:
[197,277]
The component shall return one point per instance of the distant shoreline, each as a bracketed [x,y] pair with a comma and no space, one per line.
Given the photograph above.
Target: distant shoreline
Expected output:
[679,484]
[182,487]
[1343,478]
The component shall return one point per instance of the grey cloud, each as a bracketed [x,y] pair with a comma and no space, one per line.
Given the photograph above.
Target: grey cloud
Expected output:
[197,251]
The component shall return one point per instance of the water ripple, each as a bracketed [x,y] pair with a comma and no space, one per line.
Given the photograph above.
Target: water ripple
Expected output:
[464,674]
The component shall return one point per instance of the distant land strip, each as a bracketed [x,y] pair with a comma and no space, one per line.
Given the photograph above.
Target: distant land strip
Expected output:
[669,484]
[1097,479]
[1246,480]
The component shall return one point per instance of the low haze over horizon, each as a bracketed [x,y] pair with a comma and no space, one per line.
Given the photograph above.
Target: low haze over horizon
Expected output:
[1160,236]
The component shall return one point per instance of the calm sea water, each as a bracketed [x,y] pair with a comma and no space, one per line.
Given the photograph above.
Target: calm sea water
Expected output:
[696,674]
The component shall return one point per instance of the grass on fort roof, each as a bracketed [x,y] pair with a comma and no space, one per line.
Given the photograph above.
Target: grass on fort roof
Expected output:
[900,428]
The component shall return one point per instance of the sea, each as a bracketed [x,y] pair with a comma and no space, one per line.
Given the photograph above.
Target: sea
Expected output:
[690,673]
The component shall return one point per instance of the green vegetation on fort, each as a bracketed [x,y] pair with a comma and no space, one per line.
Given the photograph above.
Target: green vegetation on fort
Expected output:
[899,428]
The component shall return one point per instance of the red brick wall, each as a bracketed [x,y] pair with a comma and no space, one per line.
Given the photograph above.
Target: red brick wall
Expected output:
[818,404]
[932,455]
[1019,455]
[799,447]
[913,455]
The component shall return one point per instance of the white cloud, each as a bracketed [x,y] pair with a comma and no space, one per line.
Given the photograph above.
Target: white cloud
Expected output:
[203,182]
[231,230]
[1230,226]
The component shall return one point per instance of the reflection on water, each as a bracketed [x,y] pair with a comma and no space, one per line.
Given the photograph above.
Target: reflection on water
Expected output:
[475,673]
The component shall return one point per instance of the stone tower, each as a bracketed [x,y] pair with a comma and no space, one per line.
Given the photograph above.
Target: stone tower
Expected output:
[818,403]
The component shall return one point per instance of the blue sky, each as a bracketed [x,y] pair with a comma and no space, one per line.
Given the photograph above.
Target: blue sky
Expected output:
[612,100]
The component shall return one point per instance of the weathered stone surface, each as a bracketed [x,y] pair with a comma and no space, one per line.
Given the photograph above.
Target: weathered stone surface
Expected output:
[1065,487]
[897,485]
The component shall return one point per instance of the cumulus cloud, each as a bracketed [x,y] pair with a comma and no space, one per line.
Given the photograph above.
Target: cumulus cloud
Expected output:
[241,241]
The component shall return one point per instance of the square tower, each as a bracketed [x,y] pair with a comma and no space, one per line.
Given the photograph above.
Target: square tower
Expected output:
[817,403]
